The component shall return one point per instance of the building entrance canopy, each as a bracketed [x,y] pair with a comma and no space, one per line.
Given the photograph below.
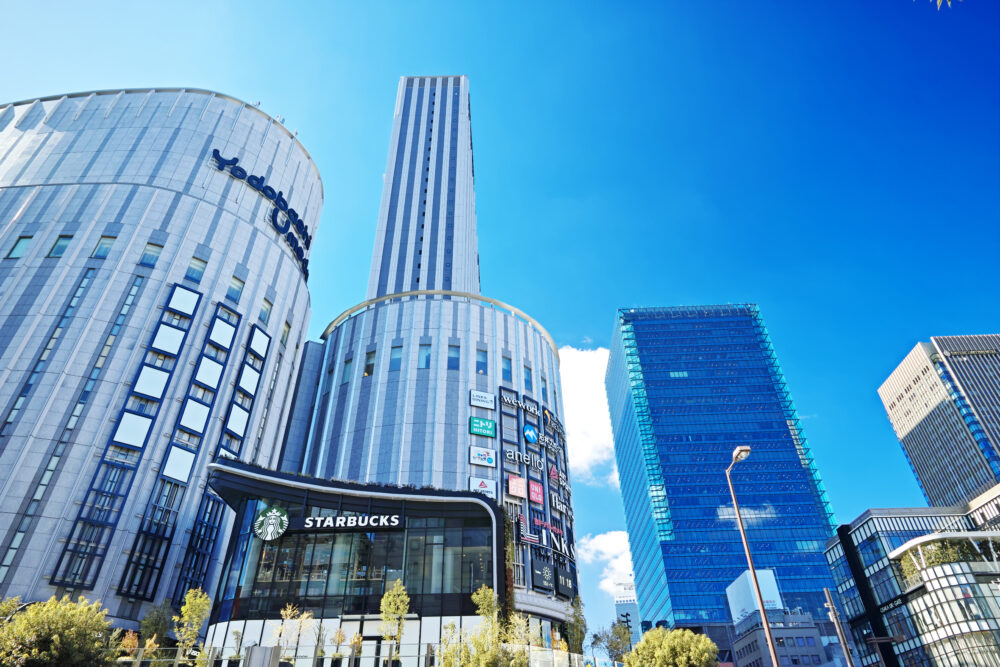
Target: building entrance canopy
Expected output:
[333,548]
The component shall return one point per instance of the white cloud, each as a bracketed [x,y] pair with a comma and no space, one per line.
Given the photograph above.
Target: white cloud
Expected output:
[611,550]
[588,423]
[750,515]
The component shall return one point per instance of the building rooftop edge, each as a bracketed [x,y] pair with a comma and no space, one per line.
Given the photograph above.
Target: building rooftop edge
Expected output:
[198,91]
[517,312]
[934,537]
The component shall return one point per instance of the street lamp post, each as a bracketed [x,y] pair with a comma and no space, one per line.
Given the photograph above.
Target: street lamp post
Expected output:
[739,454]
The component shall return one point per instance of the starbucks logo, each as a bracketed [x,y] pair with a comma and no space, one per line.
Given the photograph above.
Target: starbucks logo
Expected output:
[270,523]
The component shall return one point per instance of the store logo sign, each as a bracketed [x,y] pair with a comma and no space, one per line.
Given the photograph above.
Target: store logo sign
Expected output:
[482,399]
[271,523]
[486,486]
[289,225]
[532,460]
[484,427]
[530,434]
[517,486]
[514,403]
[536,493]
[481,456]
[352,521]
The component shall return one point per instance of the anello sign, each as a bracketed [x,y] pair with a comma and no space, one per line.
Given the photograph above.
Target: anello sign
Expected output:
[284,223]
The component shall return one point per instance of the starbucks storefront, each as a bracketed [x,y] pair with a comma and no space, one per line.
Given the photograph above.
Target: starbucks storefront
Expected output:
[333,548]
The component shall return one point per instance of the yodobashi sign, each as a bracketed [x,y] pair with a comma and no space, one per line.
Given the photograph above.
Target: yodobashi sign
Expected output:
[517,486]
[289,220]
[487,486]
[480,426]
[536,493]
[482,399]
[481,456]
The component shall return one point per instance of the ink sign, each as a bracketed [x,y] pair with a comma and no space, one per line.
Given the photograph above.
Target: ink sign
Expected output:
[288,224]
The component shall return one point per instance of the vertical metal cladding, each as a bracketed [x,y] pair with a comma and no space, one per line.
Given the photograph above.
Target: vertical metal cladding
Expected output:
[153,300]
[452,391]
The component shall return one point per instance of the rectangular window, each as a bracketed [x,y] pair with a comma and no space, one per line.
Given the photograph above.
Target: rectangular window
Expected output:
[20,245]
[370,363]
[482,360]
[285,330]
[59,247]
[265,311]
[346,375]
[395,357]
[235,290]
[150,254]
[196,269]
[527,378]
[454,356]
[508,373]
[424,356]
[103,247]
[545,390]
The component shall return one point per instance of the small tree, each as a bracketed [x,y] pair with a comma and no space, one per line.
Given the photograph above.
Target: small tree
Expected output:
[614,641]
[320,640]
[338,639]
[58,632]
[156,623]
[576,627]
[356,641]
[660,647]
[395,606]
[130,643]
[187,626]
[238,644]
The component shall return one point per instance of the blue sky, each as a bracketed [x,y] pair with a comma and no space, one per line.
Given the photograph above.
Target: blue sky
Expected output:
[837,163]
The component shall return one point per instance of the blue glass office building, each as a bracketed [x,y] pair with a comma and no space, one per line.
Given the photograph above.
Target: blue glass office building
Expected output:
[686,386]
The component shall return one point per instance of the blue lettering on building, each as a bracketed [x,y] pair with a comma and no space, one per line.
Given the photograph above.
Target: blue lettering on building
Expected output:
[288,224]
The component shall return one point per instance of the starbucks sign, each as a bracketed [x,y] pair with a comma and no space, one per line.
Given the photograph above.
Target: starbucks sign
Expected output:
[271,523]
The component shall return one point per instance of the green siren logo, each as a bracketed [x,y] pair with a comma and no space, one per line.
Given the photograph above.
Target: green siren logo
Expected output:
[270,523]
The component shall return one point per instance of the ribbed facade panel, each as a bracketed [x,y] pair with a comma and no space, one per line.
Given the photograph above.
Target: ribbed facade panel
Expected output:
[134,275]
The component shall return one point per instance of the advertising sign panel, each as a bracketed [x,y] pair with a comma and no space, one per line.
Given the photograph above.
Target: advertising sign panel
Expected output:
[480,426]
[481,456]
[482,399]
[536,493]
[542,575]
[564,582]
[487,486]
[517,486]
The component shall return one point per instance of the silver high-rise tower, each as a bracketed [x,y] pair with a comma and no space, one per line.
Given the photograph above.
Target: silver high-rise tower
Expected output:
[944,403]
[429,383]
[426,238]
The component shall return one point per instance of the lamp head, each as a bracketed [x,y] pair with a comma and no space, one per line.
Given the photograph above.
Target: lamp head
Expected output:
[741,453]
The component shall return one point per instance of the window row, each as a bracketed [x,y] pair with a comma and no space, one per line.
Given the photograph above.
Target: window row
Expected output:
[150,254]
[453,364]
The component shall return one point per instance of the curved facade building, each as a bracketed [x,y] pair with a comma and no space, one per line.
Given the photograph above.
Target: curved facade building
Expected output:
[154,251]
[427,383]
